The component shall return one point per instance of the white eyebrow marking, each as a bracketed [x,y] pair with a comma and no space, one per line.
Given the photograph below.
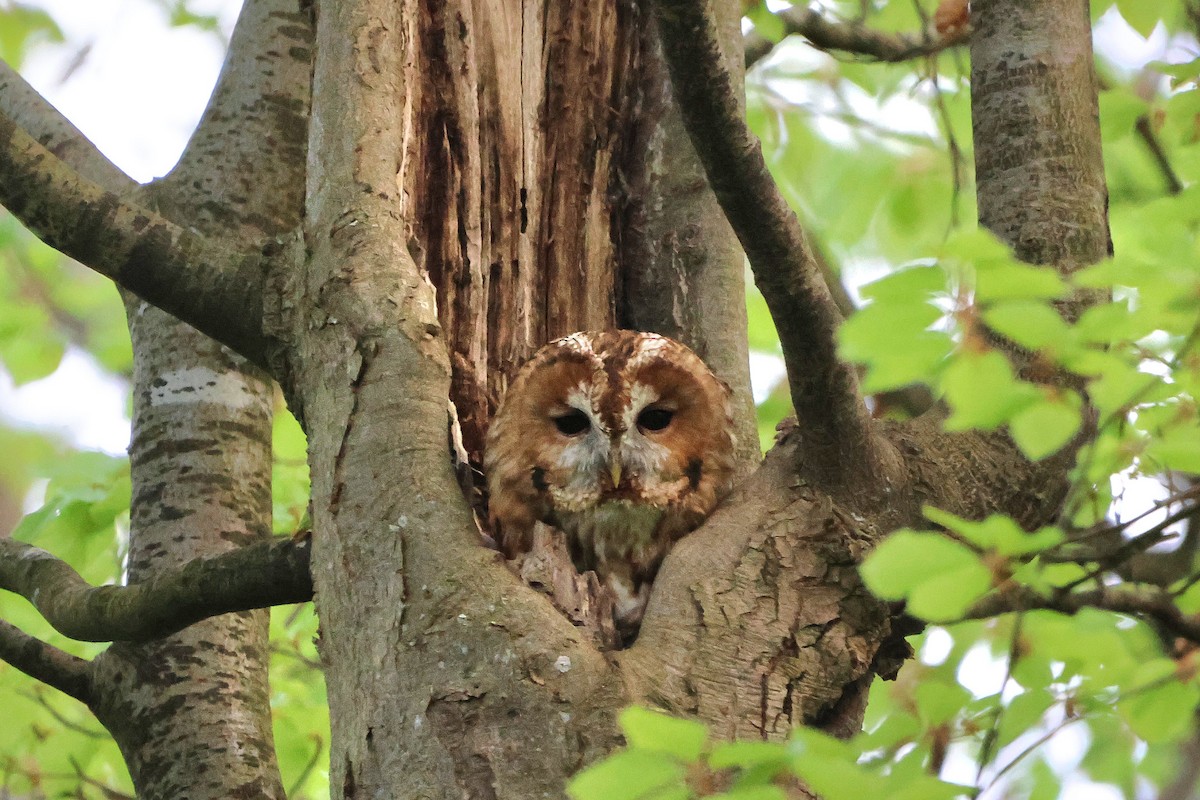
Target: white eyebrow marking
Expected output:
[649,346]
[579,342]
[640,396]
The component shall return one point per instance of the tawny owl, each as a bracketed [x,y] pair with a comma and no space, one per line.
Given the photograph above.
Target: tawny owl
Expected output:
[621,440]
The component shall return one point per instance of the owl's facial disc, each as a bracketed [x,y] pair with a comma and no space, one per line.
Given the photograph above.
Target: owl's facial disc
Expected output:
[644,415]
[583,445]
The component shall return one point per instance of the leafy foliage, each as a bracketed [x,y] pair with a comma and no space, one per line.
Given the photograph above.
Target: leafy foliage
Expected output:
[674,759]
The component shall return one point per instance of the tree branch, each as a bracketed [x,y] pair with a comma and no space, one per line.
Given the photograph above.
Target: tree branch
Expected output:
[1145,131]
[215,288]
[32,112]
[837,432]
[45,663]
[1151,603]
[852,37]
[263,574]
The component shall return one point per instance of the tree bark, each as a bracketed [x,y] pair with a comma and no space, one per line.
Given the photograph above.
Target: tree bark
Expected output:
[1034,91]
[200,461]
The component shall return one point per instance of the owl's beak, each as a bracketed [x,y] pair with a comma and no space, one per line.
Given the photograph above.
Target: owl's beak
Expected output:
[614,470]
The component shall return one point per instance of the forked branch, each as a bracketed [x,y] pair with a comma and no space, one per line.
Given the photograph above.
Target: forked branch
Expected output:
[837,432]
[215,288]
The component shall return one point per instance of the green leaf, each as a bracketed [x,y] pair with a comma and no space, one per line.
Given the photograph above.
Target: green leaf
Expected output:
[893,569]
[939,577]
[1030,324]
[940,702]
[983,392]
[917,362]
[947,596]
[812,743]
[1046,426]
[1161,714]
[1142,15]
[907,285]
[894,357]
[656,732]
[880,329]
[752,793]
[1177,450]
[1045,577]
[1189,601]
[1110,756]
[30,358]
[1109,323]
[975,246]
[996,532]
[1045,782]
[626,775]
[22,27]
[671,793]
[1119,111]
[746,754]
[1119,384]
[1034,671]
[1024,712]
[1015,281]
[1182,72]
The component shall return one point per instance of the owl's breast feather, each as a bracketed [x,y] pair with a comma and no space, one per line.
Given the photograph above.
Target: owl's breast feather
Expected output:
[623,521]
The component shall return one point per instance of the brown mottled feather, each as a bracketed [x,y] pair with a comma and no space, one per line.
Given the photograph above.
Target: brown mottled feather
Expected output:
[670,476]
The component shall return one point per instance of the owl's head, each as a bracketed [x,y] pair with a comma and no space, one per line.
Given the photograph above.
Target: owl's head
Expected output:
[618,415]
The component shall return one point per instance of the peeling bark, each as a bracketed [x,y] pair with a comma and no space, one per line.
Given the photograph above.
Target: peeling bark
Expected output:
[540,146]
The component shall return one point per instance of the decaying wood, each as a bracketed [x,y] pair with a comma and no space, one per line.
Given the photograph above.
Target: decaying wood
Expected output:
[582,598]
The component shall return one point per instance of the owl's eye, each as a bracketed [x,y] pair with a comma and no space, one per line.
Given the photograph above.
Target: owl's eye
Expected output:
[654,419]
[573,423]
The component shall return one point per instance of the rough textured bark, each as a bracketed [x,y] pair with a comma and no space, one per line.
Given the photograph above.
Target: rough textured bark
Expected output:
[1033,90]
[473,666]
[200,461]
